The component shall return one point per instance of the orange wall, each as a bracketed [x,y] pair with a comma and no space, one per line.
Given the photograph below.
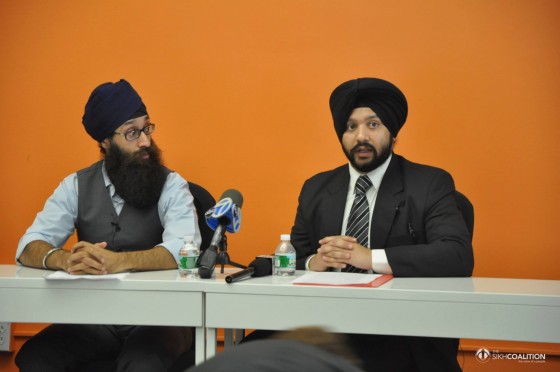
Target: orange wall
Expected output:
[240,94]
[239,90]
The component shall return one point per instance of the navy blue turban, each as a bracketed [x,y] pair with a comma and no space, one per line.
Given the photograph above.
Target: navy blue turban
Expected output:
[109,106]
[385,99]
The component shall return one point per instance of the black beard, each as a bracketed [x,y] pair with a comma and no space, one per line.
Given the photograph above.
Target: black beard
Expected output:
[139,182]
[378,158]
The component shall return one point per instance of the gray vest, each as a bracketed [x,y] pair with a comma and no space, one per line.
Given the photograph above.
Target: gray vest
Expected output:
[133,230]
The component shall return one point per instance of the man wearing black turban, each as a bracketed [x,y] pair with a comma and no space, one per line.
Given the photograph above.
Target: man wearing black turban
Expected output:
[410,226]
[131,214]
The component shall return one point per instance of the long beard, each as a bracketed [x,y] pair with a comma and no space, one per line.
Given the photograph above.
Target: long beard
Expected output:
[138,181]
[378,157]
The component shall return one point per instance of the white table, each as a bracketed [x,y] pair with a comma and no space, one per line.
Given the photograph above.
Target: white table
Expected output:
[481,308]
[147,298]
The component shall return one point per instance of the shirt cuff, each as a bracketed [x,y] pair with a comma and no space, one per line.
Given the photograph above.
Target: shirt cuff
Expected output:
[379,262]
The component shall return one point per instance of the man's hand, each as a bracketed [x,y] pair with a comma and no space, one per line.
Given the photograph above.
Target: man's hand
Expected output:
[94,259]
[339,251]
[88,258]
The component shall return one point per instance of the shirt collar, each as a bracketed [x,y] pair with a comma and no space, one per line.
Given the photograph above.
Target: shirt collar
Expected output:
[376,175]
[106,178]
[108,184]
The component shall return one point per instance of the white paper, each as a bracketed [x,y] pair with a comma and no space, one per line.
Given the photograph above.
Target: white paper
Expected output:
[63,275]
[335,278]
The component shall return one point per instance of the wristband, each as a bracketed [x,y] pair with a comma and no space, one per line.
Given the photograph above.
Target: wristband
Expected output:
[308,261]
[47,256]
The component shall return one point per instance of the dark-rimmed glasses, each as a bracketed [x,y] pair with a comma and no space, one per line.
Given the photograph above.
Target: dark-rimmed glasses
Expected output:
[134,134]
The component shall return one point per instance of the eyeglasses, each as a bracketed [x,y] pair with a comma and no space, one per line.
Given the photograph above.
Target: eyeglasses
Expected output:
[134,134]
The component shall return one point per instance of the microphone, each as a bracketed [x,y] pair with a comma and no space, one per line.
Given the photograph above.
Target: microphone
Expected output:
[224,216]
[259,267]
[228,208]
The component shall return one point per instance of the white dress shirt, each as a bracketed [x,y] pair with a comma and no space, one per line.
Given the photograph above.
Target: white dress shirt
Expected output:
[378,257]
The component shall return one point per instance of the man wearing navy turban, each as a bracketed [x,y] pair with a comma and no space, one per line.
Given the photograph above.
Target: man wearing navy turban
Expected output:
[382,213]
[130,213]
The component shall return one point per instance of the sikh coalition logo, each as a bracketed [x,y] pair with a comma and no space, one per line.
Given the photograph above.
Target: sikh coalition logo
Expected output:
[482,355]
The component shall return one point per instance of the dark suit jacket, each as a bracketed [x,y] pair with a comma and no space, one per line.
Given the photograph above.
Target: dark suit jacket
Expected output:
[415,219]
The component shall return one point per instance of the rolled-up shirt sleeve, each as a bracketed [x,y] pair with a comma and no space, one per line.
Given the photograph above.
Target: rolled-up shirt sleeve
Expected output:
[55,223]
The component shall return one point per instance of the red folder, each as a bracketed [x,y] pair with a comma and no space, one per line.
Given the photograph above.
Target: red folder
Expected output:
[373,284]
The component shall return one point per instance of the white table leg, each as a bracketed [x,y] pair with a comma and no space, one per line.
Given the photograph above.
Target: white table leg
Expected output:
[200,345]
[210,342]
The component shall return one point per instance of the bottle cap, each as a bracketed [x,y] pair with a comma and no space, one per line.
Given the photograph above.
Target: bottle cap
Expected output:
[188,238]
[285,237]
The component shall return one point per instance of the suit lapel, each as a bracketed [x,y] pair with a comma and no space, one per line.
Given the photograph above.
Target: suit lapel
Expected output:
[335,201]
[390,198]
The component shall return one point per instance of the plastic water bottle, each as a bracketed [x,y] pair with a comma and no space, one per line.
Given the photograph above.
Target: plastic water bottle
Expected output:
[285,257]
[188,255]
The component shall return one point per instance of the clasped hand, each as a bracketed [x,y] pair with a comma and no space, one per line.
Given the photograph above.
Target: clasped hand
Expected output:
[88,258]
[339,251]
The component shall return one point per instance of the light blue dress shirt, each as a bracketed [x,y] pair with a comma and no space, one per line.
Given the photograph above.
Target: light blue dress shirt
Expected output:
[56,222]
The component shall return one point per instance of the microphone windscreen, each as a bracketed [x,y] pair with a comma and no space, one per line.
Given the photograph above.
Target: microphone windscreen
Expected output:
[234,195]
[262,266]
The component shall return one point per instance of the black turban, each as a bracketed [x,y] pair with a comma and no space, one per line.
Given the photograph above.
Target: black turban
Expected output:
[385,99]
[109,106]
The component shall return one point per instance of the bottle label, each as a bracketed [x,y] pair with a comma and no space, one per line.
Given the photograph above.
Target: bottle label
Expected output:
[188,262]
[285,261]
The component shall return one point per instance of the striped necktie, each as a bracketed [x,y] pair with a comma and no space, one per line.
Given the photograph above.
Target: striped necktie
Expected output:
[358,220]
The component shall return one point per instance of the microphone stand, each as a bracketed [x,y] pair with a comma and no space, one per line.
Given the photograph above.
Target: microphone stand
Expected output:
[223,256]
